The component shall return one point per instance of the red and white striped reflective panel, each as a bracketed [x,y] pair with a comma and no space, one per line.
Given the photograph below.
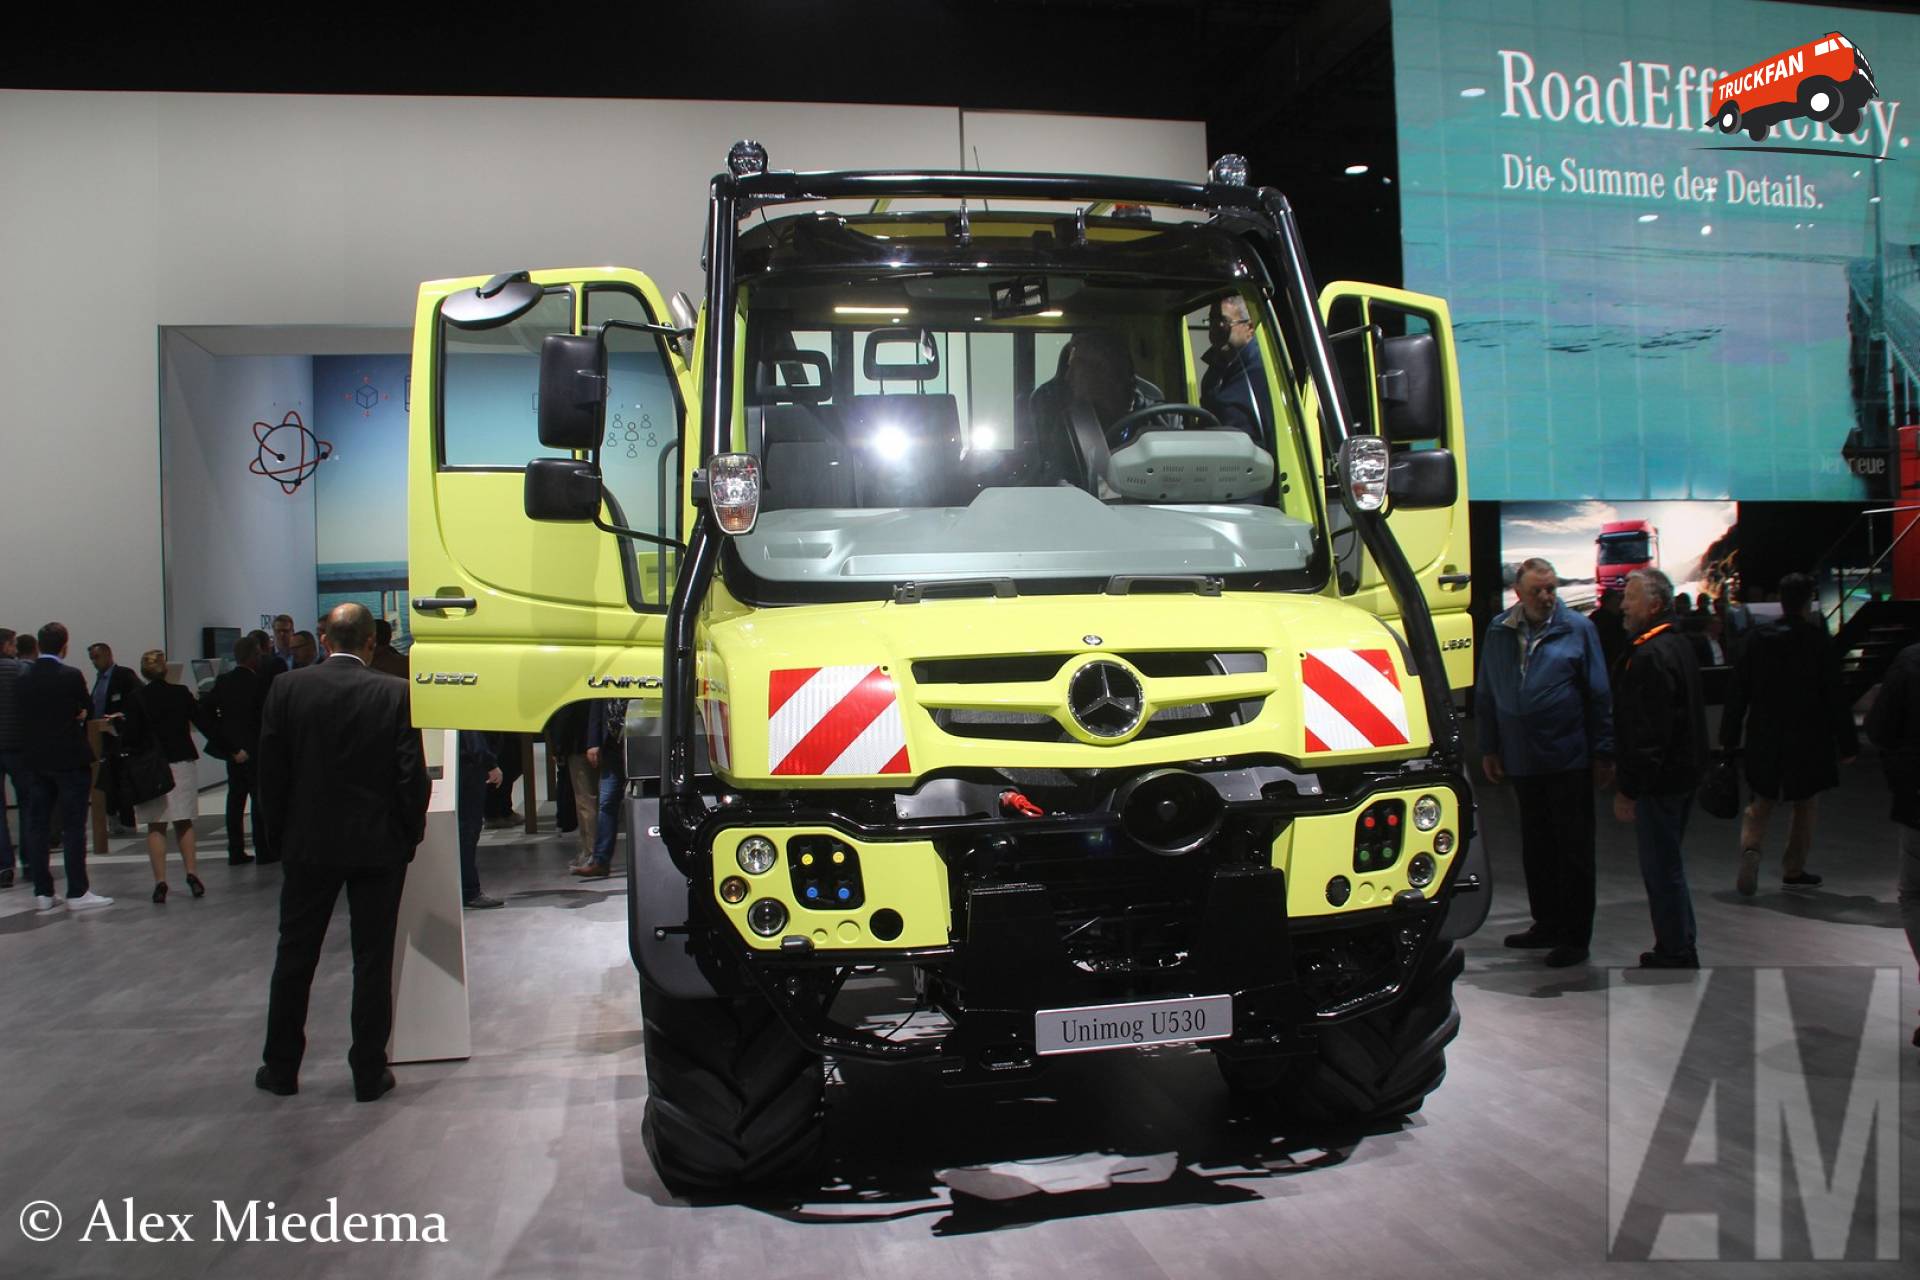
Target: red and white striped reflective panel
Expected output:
[834,720]
[719,722]
[1352,700]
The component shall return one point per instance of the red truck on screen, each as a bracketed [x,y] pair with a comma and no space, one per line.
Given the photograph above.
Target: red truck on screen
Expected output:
[1827,81]
[1623,546]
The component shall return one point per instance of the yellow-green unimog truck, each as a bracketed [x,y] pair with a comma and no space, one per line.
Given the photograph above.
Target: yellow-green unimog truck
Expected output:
[977,633]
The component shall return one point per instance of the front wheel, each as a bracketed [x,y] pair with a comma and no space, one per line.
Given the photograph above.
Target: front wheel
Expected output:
[1729,118]
[734,1100]
[1380,1065]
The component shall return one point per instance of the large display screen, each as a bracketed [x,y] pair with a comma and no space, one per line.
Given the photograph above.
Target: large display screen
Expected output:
[1649,307]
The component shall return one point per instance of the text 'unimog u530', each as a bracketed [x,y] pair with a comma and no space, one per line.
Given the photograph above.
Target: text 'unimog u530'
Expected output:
[1022,594]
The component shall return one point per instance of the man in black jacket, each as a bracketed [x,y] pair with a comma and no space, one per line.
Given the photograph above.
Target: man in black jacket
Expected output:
[114,688]
[1894,727]
[53,706]
[234,702]
[343,792]
[1660,744]
[1786,695]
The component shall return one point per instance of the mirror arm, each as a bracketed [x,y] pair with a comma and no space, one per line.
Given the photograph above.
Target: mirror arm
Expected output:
[1375,330]
[664,330]
[620,530]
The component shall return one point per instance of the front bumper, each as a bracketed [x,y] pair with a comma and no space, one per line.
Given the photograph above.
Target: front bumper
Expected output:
[1003,917]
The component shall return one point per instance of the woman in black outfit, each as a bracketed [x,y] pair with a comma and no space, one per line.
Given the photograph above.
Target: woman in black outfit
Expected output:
[166,711]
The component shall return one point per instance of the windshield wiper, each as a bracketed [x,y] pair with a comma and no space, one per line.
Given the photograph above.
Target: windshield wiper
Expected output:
[915,592]
[1122,584]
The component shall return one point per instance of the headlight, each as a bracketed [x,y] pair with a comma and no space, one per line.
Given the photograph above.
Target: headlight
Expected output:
[1365,464]
[767,917]
[755,855]
[1420,871]
[1443,843]
[1426,813]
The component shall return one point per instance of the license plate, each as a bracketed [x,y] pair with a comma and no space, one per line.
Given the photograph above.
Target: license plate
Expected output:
[1128,1026]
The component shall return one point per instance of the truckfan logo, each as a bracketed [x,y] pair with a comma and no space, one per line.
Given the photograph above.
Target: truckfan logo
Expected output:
[1352,700]
[1105,699]
[834,721]
[1827,81]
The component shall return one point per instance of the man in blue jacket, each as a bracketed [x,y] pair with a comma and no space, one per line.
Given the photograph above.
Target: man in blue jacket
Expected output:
[1546,722]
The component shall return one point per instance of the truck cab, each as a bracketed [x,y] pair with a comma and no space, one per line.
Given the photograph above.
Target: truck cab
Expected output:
[1024,594]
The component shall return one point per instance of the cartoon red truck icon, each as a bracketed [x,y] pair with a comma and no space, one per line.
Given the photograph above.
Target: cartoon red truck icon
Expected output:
[1622,547]
[1827,81]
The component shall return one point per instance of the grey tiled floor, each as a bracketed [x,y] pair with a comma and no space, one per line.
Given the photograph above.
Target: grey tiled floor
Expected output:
[130,1037]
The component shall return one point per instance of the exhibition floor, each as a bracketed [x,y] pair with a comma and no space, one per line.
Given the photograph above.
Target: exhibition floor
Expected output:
[132,1034]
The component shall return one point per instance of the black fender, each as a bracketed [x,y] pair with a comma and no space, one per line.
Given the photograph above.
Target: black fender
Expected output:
[658,908]
[1470,895]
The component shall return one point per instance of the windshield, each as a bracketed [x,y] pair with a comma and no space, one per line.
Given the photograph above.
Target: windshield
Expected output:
[1624,548]
[963,422]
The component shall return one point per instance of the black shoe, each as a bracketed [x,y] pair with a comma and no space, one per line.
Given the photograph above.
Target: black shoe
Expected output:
[265,1079]
[481,902]
[1531,939]
[1566,955]
[1805,880]
[263,859]
[239,859]
[160,892]
[6,878]
[374,1090]
[193,883]
[1655,960]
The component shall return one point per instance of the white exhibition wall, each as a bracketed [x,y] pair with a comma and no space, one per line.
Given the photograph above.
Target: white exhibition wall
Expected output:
[121,214]
[237,545]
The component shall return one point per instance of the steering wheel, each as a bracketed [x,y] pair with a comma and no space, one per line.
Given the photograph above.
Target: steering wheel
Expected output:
[1123,426]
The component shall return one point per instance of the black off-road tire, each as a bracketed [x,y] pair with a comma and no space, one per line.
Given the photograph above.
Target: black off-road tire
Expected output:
[1374,1067]
[734,1100]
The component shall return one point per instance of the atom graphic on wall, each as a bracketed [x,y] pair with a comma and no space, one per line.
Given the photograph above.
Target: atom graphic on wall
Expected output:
[289,453]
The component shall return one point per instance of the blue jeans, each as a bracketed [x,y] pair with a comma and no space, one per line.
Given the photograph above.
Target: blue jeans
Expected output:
[613,789]
[10,770]
[58,797]
[1660,823]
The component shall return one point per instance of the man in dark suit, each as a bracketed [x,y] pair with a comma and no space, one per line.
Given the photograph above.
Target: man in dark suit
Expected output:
[343,792]
[234,703]
[114,689]
[52,703]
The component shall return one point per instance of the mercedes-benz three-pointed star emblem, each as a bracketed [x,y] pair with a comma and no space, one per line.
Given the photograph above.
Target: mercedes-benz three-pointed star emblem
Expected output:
[1106,699]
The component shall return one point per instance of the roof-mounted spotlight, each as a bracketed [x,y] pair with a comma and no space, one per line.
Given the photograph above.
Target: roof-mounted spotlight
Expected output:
[1230,170]
[746,157]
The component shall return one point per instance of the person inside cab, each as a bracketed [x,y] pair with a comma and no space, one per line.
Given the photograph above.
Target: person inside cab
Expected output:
[1075,411]
[1234,387]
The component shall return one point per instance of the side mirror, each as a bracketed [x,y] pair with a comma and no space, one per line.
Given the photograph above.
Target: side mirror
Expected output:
[561,489]
[573,391]
[1412,393]
[1423,479]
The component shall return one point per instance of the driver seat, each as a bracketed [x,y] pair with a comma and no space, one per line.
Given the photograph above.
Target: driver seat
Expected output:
[1072,447]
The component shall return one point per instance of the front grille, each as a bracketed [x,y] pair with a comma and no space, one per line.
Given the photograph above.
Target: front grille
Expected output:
[1031,726]
[1027,726]
[1037,668]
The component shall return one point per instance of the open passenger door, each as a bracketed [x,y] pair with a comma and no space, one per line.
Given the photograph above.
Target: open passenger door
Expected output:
[1396,356]
[511,617]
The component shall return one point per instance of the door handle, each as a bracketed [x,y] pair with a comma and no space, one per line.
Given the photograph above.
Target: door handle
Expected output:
[1453,581]
[440,604]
